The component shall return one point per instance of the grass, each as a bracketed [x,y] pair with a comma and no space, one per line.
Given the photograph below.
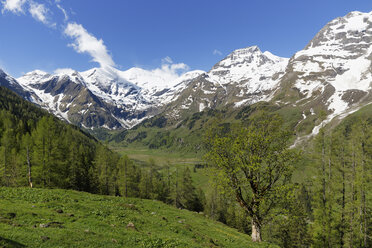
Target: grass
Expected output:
[175,160]
[63,218]
[143,154]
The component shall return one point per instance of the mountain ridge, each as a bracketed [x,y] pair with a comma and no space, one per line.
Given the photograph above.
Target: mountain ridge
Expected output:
[331,74]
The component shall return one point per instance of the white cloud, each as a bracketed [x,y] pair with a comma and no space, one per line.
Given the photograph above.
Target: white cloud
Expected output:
[86,43]
[14,6]
[167,60]
[63,11]
[173,69]
[64,71]
[168,65]
[164,76]
[170,71]
[167,75]
[217,52]
[40,13]
[37,10]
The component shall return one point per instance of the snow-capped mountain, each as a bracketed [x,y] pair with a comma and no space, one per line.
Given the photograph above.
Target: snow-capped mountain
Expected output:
[103,97]
[254,72]
[245,76]
[66,95]
[334,70]
[249,66]
[332,73]
[11,83]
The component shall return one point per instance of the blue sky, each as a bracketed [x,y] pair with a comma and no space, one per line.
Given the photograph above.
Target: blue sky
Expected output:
[36,34]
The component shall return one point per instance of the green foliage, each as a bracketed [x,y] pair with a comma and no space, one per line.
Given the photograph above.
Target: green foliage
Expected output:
[342,199]
[128,177]
[189,198]
[288,226]
[58,155]
[254,164]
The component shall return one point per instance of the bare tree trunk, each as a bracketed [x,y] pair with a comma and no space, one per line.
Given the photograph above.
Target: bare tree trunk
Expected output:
[256,231]
[29,167]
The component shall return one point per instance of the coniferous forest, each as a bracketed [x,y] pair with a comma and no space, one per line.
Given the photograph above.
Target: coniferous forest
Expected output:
[39,150]
[329,206]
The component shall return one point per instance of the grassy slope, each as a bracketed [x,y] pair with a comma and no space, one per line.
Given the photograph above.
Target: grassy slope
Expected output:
[101,221]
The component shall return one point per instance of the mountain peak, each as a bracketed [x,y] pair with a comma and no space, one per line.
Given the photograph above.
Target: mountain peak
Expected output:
[33,77]
[246,50]
[357,13]
[37,72]
[249,57]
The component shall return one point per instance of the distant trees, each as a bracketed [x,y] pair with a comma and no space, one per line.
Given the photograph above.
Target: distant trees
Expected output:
[128,177]
[255,164]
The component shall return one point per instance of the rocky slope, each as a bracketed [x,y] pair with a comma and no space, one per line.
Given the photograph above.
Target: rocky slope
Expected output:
[333,72]
[245,76]
[101,97]
[9,82]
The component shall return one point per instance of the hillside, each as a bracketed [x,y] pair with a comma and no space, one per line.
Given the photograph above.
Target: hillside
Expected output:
[49,218]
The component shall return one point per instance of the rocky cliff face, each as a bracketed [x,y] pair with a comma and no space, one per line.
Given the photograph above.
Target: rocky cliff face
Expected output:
[334,69]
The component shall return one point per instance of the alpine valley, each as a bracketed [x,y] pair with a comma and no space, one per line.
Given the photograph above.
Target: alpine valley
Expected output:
[326,81]
[276,148]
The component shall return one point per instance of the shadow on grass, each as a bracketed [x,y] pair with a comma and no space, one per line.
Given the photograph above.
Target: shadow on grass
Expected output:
[7,243]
